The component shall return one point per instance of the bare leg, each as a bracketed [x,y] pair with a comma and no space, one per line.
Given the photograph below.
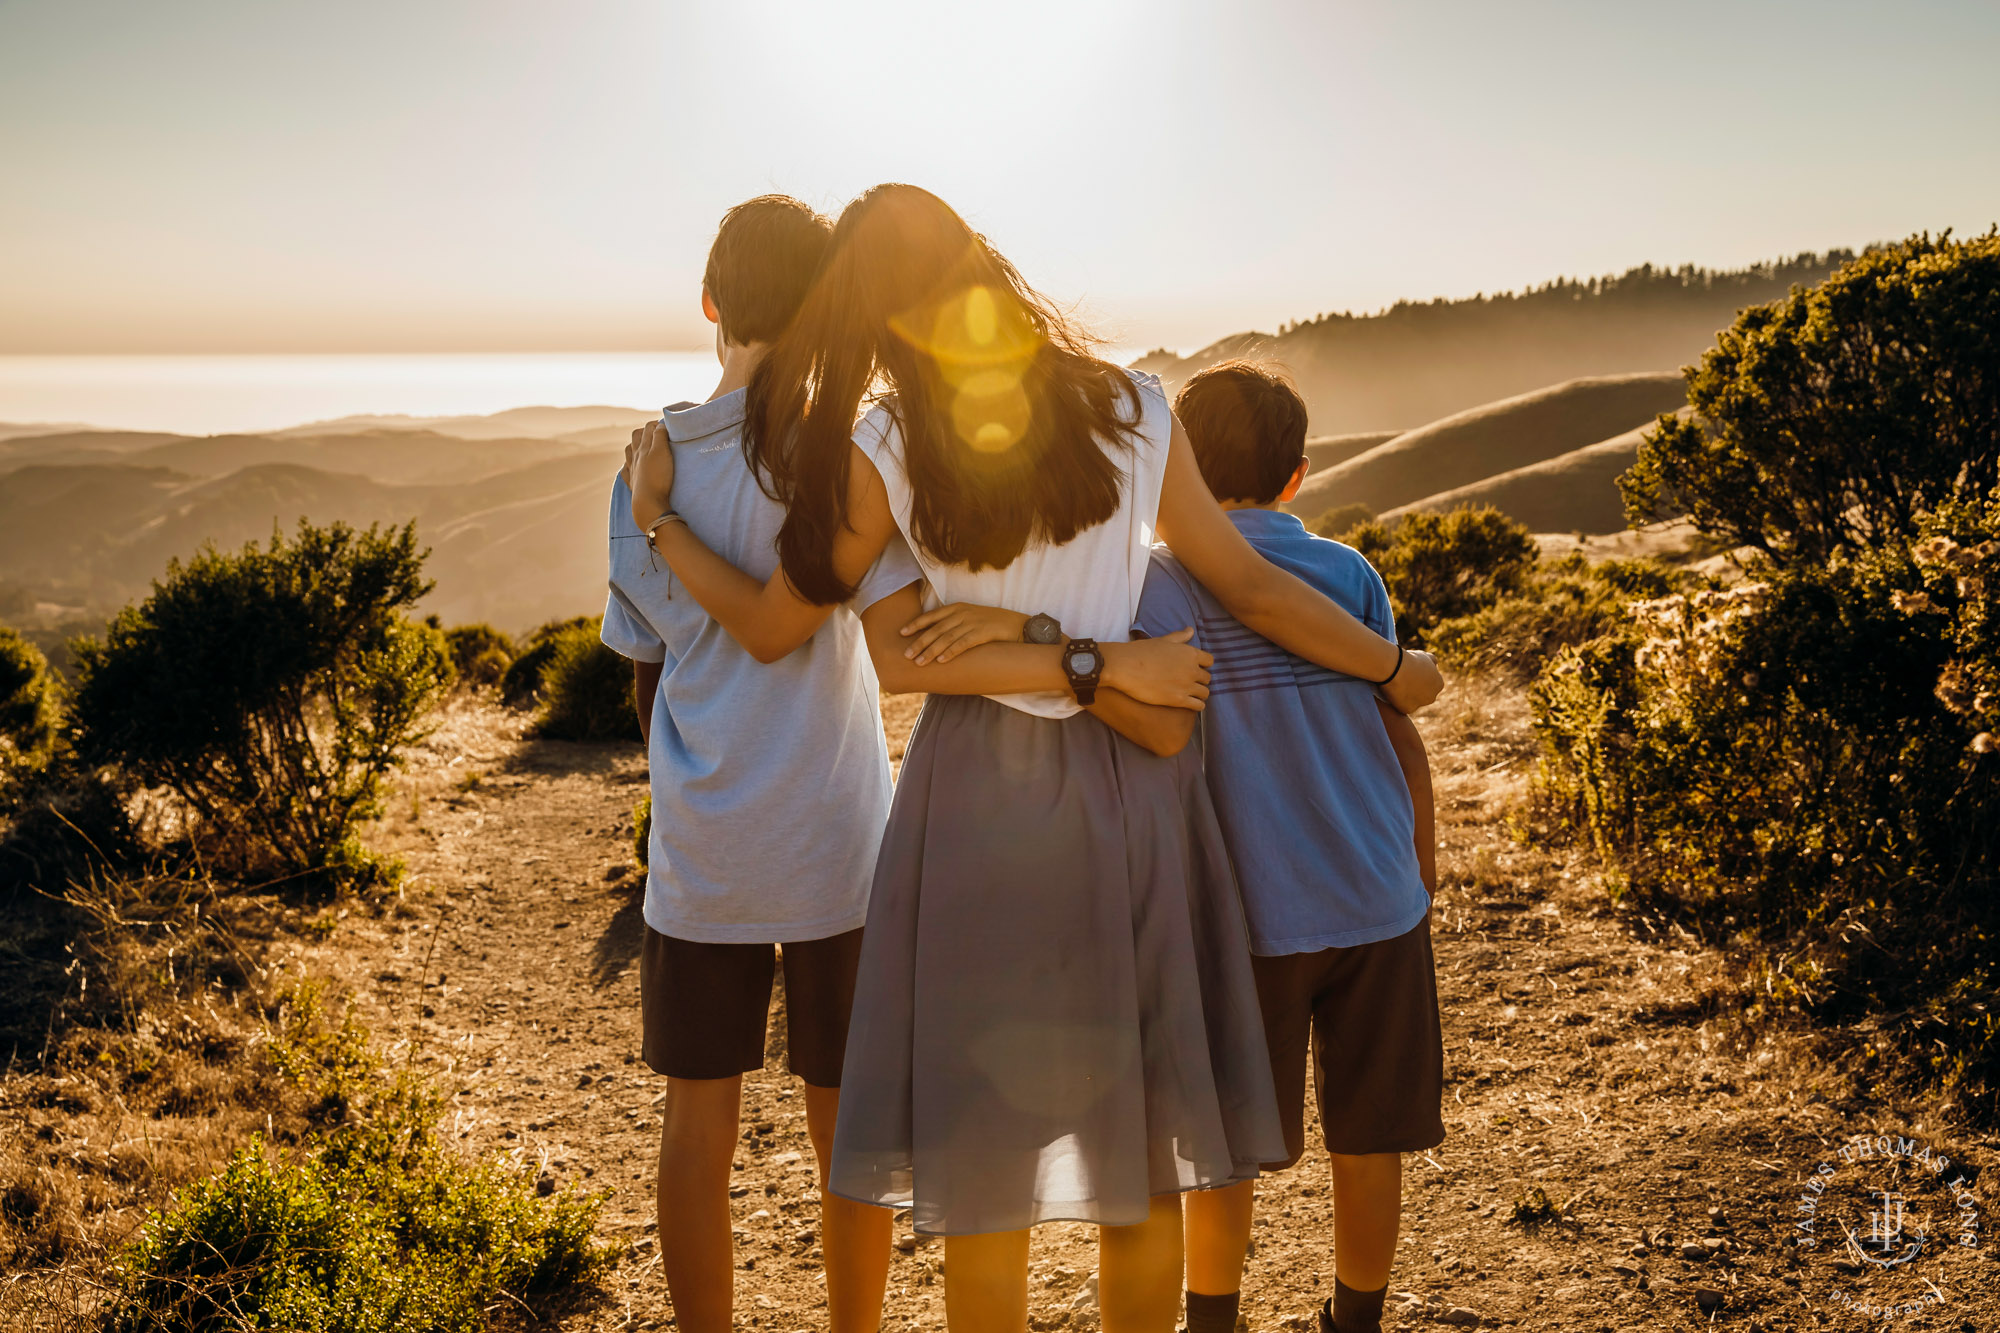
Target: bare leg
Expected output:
[697,1252]
[1139,1271]
[1218,1236]
[1367,1214]
[853,1236]
[986,1283]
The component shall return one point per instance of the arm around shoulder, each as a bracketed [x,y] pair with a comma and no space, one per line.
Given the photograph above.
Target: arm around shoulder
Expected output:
[1271,601]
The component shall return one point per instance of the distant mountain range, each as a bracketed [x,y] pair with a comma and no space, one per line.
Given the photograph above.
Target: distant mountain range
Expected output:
[1417,362]
[511,506]
[1531,401]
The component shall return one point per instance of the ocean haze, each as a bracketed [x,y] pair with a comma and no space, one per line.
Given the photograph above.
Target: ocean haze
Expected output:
[212,395]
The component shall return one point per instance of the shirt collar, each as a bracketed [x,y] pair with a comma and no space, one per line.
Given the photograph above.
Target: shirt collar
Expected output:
[692,423]
[1266,523]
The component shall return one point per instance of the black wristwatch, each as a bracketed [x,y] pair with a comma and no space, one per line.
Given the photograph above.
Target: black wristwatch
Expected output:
[1083,663]
[1042,628]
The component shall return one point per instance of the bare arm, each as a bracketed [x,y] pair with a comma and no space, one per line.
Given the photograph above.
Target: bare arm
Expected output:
[1408,744]
[646,684]
[1272,602]
[1166,671]
[770,619]
[1164,731]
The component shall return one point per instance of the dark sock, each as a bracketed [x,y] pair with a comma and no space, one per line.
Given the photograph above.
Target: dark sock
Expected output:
[1212,1314]
[1357,1311]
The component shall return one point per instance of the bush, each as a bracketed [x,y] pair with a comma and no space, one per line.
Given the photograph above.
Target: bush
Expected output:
[480,653]
[1561,604]
[586,692]
[1833,418]
[1788,758]
[271,689]
[1956,554]
[522,682]
[1339,519]
[642,830]
[1809,762]
[376,1224]
[29,714]
[1442,566]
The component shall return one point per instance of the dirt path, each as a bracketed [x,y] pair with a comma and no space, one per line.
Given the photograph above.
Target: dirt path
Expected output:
[1582,1071]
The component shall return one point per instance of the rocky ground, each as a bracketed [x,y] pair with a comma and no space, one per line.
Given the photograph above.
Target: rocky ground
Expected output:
[1619,1157]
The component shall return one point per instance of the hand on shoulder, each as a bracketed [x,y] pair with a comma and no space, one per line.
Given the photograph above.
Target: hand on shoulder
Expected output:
[649,473]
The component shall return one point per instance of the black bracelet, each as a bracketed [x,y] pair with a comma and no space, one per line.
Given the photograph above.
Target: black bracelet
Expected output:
[1401,653]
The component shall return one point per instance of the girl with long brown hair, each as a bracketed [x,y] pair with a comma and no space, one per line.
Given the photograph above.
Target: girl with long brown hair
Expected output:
[1055,1016]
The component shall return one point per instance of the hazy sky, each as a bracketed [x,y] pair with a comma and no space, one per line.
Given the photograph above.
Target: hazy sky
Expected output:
[245,175]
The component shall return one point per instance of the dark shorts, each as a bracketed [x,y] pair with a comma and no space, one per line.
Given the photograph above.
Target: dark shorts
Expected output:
[1369,1015]
[707,1006]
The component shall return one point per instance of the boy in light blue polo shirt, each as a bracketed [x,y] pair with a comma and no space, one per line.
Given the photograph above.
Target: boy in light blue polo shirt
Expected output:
[1324,796]
[770,787]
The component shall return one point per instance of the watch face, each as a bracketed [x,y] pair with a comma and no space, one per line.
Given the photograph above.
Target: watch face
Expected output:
[1082,663]
[1042,629]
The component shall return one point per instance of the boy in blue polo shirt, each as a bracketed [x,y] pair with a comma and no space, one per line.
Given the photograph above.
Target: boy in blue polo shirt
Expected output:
[1324,796]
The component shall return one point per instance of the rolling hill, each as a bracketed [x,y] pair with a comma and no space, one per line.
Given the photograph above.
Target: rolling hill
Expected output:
[1330,450]
[1498,437]
[517,546]
[536,423]
[1572,492]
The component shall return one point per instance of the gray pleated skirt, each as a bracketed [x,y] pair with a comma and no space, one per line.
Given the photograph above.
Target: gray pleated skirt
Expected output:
[1055,1017]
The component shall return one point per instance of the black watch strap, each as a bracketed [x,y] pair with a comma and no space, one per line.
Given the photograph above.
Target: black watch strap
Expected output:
[1083,682]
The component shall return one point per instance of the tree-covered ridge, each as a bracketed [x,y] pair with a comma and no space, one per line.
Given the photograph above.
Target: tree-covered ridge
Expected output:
[1420,361]
[1646,286]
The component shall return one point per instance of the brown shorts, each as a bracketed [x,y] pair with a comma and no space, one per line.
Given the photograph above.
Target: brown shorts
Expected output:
[707,1006]
[1377,1055]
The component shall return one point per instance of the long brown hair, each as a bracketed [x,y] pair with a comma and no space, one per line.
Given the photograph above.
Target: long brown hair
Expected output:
[1006,417]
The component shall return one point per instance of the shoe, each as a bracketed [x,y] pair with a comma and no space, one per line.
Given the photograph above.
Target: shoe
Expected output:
[1326,1316]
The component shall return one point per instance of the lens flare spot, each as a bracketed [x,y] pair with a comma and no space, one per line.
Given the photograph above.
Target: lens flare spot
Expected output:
[991,383]
[982,317]
[991,423]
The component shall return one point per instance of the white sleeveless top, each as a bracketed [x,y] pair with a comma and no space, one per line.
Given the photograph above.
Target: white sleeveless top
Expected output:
[1092,583]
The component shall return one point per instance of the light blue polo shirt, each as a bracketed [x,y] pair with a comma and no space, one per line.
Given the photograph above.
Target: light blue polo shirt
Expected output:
[1312,801]
[770,783]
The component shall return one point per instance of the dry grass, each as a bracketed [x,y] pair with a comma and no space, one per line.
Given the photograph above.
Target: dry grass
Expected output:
[150,997]
[1572,492]
[1473,445]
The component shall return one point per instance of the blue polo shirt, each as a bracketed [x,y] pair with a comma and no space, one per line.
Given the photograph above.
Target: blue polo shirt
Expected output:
[1312,801]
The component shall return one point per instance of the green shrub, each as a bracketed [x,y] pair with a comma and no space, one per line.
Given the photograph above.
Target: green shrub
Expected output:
[1809,763]
[1443,566]
[642,830]
[1832,418]
[1562,603]
[480,653]
[270,688]
[1787,758]
[1339,519]
[522,682]
[29,714]
[1956,554]
[375,1225]
[586,692]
